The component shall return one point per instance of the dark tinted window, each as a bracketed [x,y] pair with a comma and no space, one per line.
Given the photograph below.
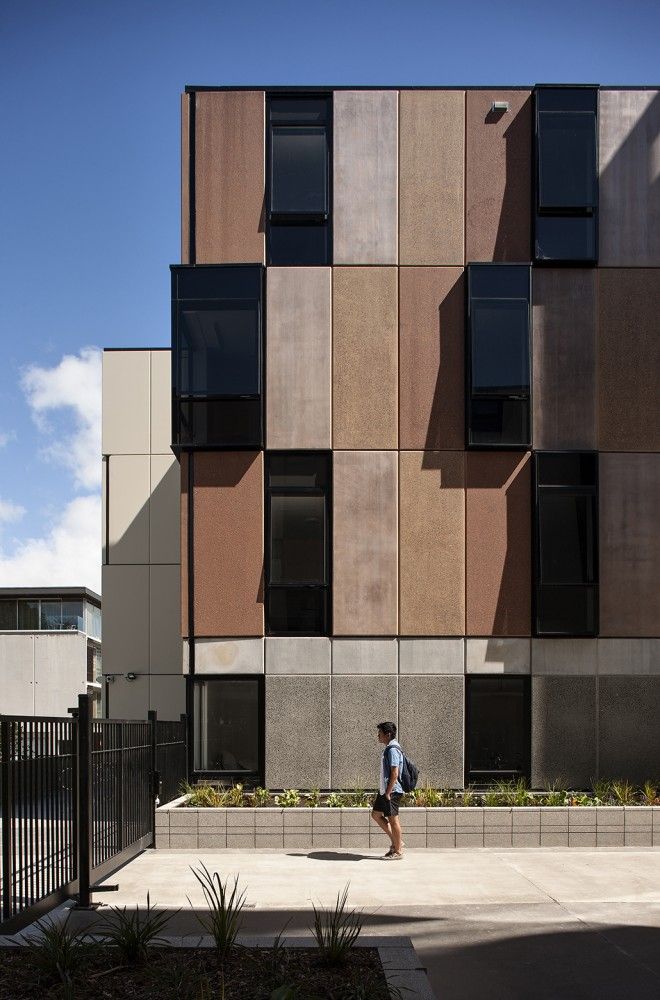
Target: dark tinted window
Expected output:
[567,538]
[28,615]
[566,237]
[298,244]
[302,110]
[567,610]
[297,539]
[224,421]
[295,470]
[567,160]
[499,422]
[299,170]
[51,614]
[498,728]
[72,615]
[219,344]
[500,346]
[556,468]
[227,725]
[297,611]
[7,615]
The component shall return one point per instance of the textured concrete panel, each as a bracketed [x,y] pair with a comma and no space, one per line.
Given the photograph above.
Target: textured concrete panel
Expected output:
[629,501]
[431,656]
[629,197]
[433,738]
[365,656]
[186,459]
[128,509]
[17,674]
[125,619]
[365,358]
[128,699]
[628,730]
[564,358]
[298,655]
[161,402]
[431,181]
[164,509]
[431,546]
[229,547]
[165,652]
[629,656]
[60,672]
[573,657]
[229,177]
[185,178]
[431,364]
[563,731]
[125,406]
[629,359]
[167,696]
[365,140]
[358,705]
[299,357]
[498,544]
[498,176]
[497,656]
[229,656]
[365,570]
[298,732]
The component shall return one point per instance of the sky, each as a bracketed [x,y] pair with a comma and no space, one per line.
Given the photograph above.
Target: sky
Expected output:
[89,175]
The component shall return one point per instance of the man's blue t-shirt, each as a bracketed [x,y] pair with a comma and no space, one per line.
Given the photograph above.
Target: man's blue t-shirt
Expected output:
[392,757]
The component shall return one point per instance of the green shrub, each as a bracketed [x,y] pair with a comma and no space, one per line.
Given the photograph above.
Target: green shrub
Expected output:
[358,798]
[59,952]
[468,797]
[224,918]
[132,932]
[650,793]
[624,793]
[313,798]
[602,790]
[289,799]
[261,796]
[234,796]
[336,930]
[334,800]
[202,796]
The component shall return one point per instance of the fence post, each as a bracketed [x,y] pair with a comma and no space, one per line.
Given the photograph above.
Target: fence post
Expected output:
[7,817]
[152,715]
[85,831]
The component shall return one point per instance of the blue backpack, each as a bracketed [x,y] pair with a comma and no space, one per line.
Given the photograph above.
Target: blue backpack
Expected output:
[408,773]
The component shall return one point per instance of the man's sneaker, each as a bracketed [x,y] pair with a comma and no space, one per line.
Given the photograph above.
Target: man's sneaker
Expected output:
[393,856]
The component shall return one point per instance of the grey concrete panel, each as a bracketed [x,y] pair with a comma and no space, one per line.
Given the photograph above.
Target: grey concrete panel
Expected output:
[364,656]
[358,705]
[167,695]
[125,619]
[128,699]
[298,732]
[497,656]
[431,711]
[628,729]
[161,402]
[629,656]
[563,731]
[298,655]
[431,656]
[60,672]
[125,417]
[16,674]
[165,643]
[164,510]
[573,657]
[128,508]
[365,138]
[299,357]
[629,209]
[229,656]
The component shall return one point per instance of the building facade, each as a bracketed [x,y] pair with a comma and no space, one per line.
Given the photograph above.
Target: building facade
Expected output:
[410,434]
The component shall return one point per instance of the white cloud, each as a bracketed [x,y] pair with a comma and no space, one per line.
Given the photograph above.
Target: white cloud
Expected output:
[74,384]
[10,512]
[67,555]
[5,437]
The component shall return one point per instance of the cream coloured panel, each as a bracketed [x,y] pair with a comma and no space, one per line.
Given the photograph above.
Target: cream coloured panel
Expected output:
[125,419]
[128,509]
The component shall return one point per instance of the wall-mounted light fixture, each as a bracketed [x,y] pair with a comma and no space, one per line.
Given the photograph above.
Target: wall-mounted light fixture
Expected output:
[497,107]
[131,676]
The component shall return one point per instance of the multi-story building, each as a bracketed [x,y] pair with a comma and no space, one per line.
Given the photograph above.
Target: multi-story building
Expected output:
[415,439]
[50,649]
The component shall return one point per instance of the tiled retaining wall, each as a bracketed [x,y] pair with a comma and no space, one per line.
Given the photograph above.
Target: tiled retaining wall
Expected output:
[580,826]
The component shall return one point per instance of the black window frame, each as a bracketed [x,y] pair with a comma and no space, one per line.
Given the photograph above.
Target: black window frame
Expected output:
[476,778]
[570,490]
[520,401]
[569,99]
[281,221]
[250,779]
[324,591]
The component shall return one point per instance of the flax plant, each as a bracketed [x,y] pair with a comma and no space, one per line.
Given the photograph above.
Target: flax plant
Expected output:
[225,918]
[336,930]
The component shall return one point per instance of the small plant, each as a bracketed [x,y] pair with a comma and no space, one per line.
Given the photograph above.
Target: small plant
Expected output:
[602,789]
[336,930]
[224,919]
[650,794]
[313,798]
[427,796]
[202,796]
[334,800]
[234,796]
[132,933]
[493,798]
[358,798]
[58,952]
[468,798]
[446,797]
[261,796]
[286,992]
[289,799]
[624,793]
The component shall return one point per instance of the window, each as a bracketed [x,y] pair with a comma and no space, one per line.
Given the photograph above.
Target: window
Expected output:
[51,615]
[498,728]
[566,174]
[228,726]
[298,543]
[566,543]
[217,356]
[92,621]
[498,390]
[299,180]
[8,617]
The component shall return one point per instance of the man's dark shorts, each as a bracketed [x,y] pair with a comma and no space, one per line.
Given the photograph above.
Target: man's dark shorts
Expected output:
[388,807]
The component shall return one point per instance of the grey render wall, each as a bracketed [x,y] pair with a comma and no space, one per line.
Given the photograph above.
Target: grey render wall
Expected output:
[42,673]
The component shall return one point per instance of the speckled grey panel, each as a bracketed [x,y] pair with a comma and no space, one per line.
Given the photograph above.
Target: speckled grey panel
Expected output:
[628,728]
[431,656]
[297,732]
[358,705]
[293,654]
[431,727]
[563,731]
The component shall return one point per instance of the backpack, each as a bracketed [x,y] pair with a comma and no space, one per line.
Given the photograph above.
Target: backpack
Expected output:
[409,774]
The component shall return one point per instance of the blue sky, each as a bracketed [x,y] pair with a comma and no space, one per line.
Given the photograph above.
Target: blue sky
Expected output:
[90,185]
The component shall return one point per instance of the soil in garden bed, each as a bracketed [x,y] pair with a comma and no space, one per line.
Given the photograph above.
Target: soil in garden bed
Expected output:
[194,974]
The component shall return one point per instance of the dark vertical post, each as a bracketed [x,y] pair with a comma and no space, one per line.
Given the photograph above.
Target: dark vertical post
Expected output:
[7,817]
[152,715]
[84,799]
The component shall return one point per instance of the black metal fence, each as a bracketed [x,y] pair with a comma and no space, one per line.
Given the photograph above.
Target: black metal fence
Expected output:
[77,800]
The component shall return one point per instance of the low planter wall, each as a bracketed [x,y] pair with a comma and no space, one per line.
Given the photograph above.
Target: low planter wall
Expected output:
[472,826]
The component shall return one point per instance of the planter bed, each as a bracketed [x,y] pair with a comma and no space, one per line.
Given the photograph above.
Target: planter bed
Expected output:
[468,826]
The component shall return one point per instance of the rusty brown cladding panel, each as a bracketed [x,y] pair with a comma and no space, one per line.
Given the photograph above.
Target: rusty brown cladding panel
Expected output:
[185,178]
[629,556]
[498,176]
[629,359]
[431,366]
[228,545]
[229,177]
[498,543]
[564,365]
[431,543]
[431,181]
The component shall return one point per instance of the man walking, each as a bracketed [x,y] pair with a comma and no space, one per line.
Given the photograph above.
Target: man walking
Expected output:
[385,810]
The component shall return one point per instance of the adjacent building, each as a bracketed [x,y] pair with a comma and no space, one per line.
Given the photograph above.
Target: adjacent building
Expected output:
[403,459]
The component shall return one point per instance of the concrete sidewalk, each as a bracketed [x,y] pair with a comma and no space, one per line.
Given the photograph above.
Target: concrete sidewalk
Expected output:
[536,924]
